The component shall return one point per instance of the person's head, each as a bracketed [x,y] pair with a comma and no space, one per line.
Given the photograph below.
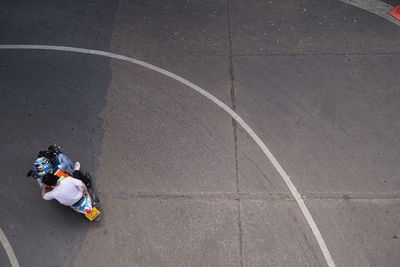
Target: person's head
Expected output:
[42,164]
[50,179]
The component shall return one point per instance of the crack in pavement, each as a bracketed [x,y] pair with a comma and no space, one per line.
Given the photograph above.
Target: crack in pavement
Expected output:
[235,135]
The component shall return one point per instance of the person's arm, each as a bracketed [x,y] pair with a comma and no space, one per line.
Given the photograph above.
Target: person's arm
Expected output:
[85,191]
[46,195]
[43,191]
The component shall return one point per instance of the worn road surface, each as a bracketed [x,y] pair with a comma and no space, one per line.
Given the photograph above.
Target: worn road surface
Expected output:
[182,183]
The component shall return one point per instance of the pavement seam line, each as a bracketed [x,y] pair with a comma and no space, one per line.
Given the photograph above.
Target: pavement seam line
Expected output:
[277,54]
[8,249]
[255,196]
[232,93]
[240,231]
[233,114]
[203,195]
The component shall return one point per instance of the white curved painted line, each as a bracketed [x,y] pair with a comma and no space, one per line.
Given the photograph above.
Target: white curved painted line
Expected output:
[8,249]
[374,6]
[246,127]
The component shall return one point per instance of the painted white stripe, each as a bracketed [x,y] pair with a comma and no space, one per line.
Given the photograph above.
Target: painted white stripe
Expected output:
[246,127]
[8,249]
[374,6]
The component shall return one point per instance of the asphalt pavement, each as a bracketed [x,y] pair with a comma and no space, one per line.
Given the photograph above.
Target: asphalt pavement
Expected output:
[181,182]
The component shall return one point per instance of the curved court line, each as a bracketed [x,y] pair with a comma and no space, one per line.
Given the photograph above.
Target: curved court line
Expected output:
[374,6]
[260,143]
[8,249]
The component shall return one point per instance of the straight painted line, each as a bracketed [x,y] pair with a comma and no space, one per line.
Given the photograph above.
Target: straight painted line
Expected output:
[8,249]
[374,6]
[222,105]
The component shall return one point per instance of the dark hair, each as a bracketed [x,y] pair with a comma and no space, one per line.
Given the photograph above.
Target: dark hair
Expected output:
[50,179]
[51,153]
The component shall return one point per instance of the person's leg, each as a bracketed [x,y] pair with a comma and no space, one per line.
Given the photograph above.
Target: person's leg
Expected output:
[65,163]
[78,175]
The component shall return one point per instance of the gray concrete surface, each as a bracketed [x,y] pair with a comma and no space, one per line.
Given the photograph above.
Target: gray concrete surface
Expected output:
[330,108]
[48,98]
[308,27]
[275,234]
[364,232]
[42,104]
[4,257]
[165,232]
[181,184]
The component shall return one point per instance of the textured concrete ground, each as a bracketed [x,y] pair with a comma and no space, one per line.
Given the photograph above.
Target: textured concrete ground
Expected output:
[182,184]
